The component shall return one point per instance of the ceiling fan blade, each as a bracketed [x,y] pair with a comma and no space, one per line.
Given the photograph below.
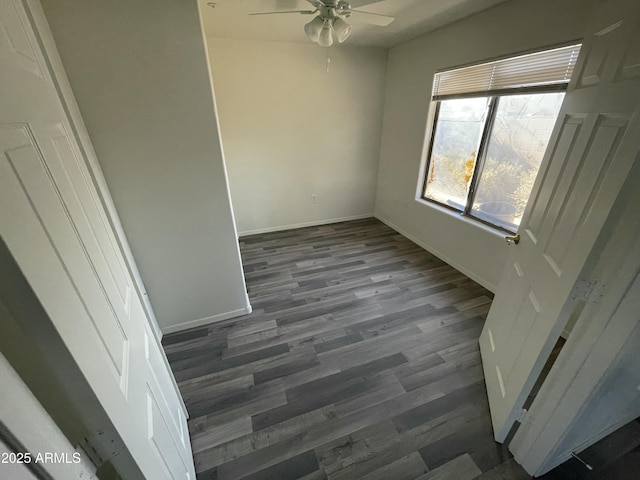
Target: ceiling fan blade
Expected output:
[301,12]
[362,3]
[318,3]
[370,18]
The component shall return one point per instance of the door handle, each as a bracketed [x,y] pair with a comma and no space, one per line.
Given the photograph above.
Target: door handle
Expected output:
[515,239]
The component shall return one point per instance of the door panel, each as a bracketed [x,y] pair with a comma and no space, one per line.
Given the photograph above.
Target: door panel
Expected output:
[570,207]
[160,382]
[15,46]
[103,285]
[32,174]
[630,65]
[589,155]
[75,188]
[54,225]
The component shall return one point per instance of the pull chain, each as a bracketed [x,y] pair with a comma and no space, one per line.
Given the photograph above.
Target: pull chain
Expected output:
[328,60]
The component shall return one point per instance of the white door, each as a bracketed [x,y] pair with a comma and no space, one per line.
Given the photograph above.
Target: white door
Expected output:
[591,150]
[55,227]
[592,388]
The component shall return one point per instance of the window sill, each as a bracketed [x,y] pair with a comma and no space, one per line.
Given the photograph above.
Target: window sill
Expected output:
[472,222]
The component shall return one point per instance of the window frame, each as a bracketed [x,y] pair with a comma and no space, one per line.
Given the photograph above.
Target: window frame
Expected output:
[487,129]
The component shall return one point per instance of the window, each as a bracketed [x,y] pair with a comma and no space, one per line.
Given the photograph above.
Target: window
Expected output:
[491,127]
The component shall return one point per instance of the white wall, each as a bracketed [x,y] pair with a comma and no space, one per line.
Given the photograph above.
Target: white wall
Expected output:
[139,73]
[292,130]
[512,27]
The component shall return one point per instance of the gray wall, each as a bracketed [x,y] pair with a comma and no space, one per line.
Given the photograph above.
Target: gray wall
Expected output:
[140,76]
[293,130]
[516,26]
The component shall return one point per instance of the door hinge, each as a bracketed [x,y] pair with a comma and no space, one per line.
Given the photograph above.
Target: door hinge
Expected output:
[597,293]
[523,415]
[589,291]
[101,446]
[87,460]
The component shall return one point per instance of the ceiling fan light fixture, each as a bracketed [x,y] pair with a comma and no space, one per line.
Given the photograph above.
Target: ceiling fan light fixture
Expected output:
[331,15]
[325,39]
[313,28]
[342,29]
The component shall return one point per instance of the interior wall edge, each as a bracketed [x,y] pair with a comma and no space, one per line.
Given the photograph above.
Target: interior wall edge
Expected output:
[139,123]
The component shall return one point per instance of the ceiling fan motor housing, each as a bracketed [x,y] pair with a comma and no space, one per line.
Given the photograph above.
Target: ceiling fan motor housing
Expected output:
[328,11]
[331,10]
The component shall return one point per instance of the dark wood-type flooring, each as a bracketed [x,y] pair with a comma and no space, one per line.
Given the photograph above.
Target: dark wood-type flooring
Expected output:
[360,360]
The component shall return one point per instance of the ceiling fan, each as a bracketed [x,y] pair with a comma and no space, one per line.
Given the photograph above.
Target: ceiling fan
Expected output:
[330,19]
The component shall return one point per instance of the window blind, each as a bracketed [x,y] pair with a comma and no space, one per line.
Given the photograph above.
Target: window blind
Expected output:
[549,67]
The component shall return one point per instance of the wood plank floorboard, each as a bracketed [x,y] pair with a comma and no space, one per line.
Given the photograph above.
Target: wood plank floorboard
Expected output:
[360,360]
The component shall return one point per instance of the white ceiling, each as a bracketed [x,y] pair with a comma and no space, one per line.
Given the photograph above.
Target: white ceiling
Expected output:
[231,19]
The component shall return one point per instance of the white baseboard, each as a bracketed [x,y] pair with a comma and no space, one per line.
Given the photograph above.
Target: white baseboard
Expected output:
[305,224]
[440,255]
[207,320]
